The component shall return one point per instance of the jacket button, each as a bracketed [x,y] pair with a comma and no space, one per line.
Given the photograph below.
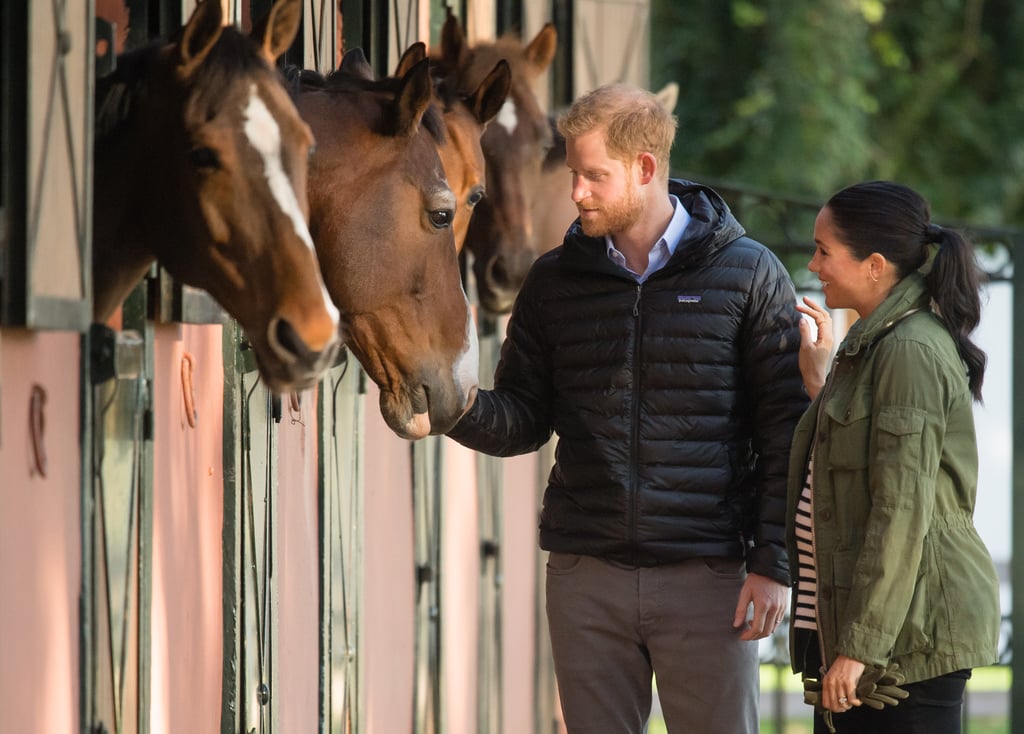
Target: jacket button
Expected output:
[825,515]
[822,436]
[826,593]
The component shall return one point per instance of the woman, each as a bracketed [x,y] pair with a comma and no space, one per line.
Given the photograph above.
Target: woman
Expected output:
[883,471]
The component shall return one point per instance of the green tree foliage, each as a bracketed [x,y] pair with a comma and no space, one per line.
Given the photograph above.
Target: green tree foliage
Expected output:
[806,96]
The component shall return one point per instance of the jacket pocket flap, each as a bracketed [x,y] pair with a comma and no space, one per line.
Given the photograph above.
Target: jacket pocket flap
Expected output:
[901,421]
[846,410]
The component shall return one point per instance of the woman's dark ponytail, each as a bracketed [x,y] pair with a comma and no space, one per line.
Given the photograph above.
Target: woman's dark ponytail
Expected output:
[954,283]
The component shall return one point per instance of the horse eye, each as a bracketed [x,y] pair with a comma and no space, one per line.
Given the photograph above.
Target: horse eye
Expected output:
[475,198]
[441,218]
[203,157]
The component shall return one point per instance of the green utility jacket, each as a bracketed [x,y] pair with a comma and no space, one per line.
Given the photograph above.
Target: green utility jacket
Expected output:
[902,574]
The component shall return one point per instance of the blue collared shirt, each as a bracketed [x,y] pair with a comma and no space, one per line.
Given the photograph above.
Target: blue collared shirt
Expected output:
[663,249]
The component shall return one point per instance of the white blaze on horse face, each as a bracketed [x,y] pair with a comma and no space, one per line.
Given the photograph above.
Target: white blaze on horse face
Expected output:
[507,117]
[265,136]
[467,366]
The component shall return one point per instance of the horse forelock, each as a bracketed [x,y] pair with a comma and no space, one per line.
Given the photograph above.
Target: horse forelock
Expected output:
[446,92]
[433,121]
[235,57]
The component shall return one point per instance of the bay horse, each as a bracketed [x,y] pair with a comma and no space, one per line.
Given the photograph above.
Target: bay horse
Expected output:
[554,211]
[465,118]
[500,233]
[200,164]
[381,216]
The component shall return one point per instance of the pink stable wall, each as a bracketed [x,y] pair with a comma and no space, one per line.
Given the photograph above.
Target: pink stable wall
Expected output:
[461,581]
[40,536]
[519,569]
[388,610]
[460,587]
[188,509]
[297,571]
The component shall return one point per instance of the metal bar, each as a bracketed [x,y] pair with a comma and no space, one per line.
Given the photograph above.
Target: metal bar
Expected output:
[231,709]
[85,615]
[14,50]
[134,317]
[563,71]
[325,421]
[1017,483]
[489,494]
[545,705]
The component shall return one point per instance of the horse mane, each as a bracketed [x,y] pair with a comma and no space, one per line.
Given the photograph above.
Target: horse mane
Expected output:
[555,156]
[298,80]
[119,93]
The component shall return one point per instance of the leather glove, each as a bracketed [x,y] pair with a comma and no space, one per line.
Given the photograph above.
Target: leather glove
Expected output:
[879,687]
[812,697]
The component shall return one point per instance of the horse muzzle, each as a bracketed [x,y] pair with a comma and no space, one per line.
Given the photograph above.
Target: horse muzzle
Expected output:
[287,362]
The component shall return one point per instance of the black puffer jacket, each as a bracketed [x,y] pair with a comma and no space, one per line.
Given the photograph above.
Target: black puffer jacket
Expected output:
[674,401]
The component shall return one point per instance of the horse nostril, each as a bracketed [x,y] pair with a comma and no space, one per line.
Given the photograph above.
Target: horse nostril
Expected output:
[499,271]
[286,341]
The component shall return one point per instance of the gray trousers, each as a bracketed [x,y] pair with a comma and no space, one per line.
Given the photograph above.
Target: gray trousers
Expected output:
[612,626]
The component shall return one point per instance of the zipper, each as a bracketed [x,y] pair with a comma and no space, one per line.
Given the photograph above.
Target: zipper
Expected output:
[823,669]
[826,392]
[634,439]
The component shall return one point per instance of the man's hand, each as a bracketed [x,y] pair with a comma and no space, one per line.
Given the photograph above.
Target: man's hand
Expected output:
[770,600]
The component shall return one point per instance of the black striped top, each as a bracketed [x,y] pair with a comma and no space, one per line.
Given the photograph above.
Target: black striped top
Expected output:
[807,581]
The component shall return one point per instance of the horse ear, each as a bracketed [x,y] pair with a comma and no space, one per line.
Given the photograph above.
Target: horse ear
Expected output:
[277,29]
[413,55]
[453,42]
[411,102]
[354,62]
[490,95]
[541,50]
[199,35]
[667,96]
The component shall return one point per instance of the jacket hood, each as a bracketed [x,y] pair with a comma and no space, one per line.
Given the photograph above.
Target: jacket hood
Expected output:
[908,296]
[712,226]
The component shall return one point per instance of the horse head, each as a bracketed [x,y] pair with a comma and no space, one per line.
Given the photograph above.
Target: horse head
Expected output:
[465,119]
[381,214]
[201,163]
[500,234]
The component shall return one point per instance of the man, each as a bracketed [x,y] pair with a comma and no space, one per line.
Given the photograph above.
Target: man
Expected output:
[660,344]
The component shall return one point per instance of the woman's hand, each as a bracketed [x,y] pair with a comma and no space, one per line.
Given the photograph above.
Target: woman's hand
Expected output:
[814,353]
[839,686]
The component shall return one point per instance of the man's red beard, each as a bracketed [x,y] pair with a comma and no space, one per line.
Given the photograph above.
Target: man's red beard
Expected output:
[616,216]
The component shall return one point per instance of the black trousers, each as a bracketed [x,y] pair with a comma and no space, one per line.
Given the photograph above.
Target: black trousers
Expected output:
[935,706]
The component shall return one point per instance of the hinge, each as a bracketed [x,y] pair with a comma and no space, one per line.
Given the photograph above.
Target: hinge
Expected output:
[115,354]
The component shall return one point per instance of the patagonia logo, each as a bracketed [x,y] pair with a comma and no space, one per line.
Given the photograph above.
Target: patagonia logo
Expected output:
[687,299]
